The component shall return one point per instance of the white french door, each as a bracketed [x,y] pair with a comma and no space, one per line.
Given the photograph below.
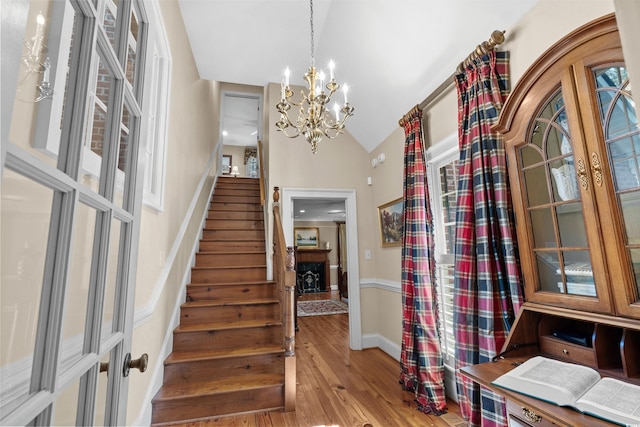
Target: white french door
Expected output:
[70,219]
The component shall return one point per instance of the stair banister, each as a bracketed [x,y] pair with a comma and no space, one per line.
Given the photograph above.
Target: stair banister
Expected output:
[285,276]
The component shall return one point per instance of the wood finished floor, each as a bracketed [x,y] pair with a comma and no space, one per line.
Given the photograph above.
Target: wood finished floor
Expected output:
[341,387]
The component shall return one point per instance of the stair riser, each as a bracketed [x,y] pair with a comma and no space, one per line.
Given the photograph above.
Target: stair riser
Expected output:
[229,259]
[228,313]
[245,215]
[233,234]
[220,404]
[227,339]
[255,200]
[223,368]
[235,224]
[221,292]
[228,275]
[237,206]
[237,192]
[232,245]
[223,183]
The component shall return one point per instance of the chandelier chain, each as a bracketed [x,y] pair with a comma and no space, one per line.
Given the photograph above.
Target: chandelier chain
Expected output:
[313,57]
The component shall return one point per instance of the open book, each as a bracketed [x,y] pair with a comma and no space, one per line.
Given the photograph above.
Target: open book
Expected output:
[577,386]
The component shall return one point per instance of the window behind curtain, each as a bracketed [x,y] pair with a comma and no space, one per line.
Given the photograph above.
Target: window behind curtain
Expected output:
[443,186]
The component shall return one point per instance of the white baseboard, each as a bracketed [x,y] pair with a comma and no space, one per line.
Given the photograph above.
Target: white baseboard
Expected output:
[383,343]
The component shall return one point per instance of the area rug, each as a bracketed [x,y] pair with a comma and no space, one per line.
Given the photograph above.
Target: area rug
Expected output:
[321,307]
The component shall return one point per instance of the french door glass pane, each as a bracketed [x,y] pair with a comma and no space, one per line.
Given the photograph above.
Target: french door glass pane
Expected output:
[109,22]
[132,46]
[101,392]
[112,275]
[25,219]
[77,293]
[65,406]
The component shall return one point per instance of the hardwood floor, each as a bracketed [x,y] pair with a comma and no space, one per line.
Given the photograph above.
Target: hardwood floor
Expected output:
[340,387]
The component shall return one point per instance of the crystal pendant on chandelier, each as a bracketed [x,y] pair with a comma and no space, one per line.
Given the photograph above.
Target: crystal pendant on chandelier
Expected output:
[314,120]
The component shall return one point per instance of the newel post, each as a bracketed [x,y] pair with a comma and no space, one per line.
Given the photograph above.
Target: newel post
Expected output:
[290,301]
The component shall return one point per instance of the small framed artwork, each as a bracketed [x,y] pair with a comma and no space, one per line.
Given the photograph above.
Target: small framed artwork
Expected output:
[226,164]
[391,221]
[306,237]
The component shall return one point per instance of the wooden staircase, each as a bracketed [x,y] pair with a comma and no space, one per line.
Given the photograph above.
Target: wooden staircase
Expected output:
[228,350]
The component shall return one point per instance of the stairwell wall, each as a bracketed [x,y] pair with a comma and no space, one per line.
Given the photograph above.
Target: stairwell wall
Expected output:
[168,237]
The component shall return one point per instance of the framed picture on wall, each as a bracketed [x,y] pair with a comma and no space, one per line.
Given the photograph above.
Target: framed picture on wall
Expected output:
[390,220]
[306,237]
[226,164]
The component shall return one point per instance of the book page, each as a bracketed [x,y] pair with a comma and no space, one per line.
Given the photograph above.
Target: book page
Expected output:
[613,397]
[565,376]
[547,379]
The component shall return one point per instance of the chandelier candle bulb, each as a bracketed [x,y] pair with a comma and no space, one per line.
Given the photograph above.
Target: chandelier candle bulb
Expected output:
[286,77]
[331,67]
[345,89]
[37,39]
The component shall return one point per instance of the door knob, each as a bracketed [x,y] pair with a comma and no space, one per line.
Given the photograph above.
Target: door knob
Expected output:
[141,363]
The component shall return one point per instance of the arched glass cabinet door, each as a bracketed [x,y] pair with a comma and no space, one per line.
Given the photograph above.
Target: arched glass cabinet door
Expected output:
[563,265]
[615,169]
[554,205]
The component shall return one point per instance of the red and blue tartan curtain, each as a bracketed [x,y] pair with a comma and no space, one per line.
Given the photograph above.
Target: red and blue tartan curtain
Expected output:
[422,369]
[487,287]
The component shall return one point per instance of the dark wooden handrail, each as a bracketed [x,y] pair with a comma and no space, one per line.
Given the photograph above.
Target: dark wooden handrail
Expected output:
[261,167]
[285,276]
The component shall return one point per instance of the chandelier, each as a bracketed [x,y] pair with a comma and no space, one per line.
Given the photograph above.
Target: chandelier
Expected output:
[314,120]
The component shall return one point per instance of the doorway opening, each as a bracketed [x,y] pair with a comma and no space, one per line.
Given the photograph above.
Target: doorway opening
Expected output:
[348,200]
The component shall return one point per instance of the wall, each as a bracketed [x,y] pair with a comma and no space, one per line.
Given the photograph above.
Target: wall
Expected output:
[540,28]
[167,238]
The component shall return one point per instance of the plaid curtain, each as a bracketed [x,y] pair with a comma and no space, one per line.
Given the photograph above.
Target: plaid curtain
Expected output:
[487,287]
[422,369]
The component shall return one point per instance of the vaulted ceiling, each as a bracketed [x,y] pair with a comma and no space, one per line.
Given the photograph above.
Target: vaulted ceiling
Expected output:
[391,53]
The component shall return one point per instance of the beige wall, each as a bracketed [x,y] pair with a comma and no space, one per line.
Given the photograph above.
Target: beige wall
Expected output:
[538,30]
[192,138]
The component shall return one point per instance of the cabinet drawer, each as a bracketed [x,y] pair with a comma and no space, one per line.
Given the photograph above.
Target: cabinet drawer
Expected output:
[519,416]
[566,350]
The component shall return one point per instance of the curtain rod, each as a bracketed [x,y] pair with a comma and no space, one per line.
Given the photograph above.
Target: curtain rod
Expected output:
[497,37]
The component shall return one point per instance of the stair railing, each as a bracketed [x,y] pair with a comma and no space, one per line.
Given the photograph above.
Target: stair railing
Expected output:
[285,277]
[261,168]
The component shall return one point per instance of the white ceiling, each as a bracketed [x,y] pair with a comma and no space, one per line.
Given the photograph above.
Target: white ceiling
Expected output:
[319,210]
[391,53]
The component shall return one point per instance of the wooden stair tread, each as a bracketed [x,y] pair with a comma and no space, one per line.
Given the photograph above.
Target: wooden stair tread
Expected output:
[219,326]
[217,386]
[229,302]
[194,356]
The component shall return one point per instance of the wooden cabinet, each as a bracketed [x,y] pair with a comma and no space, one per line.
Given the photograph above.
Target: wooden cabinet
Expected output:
[573,146]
